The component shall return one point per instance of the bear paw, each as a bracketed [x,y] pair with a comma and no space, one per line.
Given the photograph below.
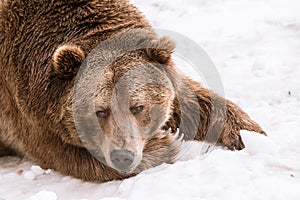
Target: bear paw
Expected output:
[163,147]
[232,140]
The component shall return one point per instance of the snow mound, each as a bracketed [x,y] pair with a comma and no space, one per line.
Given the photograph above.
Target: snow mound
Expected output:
[44,195]
[35,171]
[257,143]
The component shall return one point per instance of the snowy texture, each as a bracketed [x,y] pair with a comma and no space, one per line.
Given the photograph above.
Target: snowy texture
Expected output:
[256,46]
[44,195]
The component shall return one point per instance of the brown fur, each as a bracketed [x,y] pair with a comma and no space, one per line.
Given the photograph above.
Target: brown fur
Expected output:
[42,45]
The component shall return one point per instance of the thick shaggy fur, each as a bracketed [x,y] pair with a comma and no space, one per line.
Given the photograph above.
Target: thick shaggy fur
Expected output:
[42,45]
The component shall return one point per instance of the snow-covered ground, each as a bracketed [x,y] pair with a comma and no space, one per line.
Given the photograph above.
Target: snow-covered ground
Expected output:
[255,45]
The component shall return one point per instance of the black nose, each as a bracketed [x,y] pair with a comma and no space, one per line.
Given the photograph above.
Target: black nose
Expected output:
[122,159]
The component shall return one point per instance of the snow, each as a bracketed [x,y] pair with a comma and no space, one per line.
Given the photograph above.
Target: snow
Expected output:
[29,175]
[35,171]
[44,195]
[256,143]
[255,45]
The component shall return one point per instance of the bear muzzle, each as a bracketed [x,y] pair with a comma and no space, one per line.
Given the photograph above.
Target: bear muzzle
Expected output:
[122,160]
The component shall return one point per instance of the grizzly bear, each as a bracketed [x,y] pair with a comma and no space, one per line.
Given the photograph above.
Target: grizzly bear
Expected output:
[102,114]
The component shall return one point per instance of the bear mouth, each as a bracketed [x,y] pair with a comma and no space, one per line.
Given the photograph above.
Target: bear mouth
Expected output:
[145,159]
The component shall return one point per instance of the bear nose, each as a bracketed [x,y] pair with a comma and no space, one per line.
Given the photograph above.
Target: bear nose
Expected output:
[122,159]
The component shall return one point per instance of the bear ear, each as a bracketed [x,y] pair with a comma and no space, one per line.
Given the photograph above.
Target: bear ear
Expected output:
[161,50]
[67,60]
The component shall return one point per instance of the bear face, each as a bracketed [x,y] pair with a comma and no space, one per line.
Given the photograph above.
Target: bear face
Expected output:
[132,101]
[129,114]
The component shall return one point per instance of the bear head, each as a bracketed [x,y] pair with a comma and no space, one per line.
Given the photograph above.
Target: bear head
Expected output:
[122,96]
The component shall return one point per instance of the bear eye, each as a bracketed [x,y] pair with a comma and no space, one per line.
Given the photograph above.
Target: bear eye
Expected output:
[102,113]
[137,110]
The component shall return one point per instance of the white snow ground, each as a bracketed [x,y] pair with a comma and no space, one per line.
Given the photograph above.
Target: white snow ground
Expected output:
[256,46]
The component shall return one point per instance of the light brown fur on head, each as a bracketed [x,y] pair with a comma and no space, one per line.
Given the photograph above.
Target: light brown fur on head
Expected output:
[44,43]
[132,101]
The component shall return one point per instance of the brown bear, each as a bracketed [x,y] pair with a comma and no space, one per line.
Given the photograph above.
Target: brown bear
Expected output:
[128,122]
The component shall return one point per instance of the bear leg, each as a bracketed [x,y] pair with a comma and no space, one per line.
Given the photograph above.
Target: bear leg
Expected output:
[221,120]
[236,120]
